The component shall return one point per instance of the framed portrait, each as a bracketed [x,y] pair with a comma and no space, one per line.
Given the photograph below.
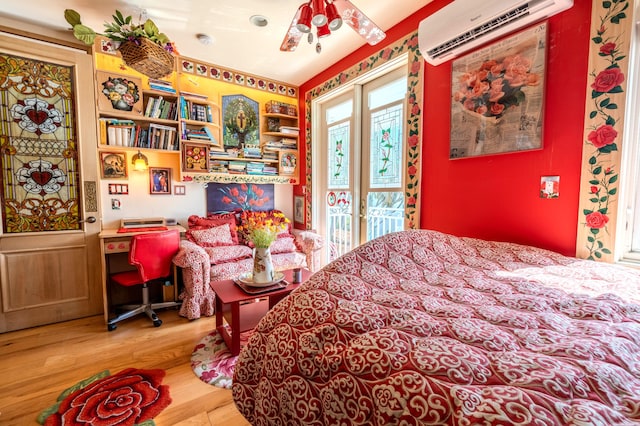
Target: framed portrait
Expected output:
[288,163]
[160,180]
[298,208]
[113,165]
[195,157]
[119,93]
[497,96]
[240,121]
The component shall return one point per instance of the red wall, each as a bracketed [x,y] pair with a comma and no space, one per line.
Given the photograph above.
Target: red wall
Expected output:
[497,197]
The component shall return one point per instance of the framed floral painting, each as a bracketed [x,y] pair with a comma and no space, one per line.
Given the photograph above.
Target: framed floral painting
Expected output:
[119,93]
[497,96]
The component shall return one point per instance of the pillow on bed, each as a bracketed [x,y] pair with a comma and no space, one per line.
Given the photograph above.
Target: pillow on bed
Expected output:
[228,253]
[198,223]
[212,237]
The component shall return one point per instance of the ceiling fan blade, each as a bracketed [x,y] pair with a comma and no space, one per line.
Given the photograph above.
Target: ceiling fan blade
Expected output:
[359,22]
[293,36]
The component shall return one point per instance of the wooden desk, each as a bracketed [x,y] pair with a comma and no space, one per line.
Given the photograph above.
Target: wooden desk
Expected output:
[112,242]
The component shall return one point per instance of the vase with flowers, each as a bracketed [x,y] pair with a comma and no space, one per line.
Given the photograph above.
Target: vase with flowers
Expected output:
[142,46]
[261,229]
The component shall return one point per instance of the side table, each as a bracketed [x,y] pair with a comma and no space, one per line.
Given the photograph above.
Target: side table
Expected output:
[242,311]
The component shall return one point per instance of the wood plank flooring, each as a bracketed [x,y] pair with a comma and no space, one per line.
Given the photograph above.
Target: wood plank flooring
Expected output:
[37,364]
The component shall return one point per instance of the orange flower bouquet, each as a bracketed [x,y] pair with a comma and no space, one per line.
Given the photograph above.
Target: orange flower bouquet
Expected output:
[262,228]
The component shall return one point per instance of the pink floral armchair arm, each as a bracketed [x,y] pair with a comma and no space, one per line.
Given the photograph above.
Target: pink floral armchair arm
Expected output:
[198,299]
[311,244]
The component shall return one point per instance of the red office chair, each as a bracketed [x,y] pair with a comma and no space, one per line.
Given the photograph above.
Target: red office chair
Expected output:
[152,255]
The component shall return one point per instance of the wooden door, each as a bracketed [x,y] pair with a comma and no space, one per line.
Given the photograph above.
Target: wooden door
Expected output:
[49,252]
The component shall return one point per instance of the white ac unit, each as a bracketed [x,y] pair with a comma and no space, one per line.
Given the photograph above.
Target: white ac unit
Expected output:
[464,24]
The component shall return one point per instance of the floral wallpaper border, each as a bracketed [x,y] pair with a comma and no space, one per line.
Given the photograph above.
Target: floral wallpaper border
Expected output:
[199,68]
[603,132]
[415,74]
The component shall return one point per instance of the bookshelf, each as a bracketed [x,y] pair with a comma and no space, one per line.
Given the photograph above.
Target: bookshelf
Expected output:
[152,125]
[199,120]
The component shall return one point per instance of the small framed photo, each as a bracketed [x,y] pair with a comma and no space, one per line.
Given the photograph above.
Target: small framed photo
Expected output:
[298,208]
[195,157]
[113,165]
[160,180]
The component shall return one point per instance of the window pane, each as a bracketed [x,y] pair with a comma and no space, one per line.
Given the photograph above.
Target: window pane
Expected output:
[339,230]
[339,155]
[386,148]
[385,213]
[394,91]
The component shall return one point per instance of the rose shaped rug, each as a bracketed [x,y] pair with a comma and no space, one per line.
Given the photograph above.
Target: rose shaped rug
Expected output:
[212,361]
[130,397]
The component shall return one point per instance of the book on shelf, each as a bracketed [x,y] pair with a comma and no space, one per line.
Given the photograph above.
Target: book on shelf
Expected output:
[194,95]
[289,130]
[162,88]
[162,137]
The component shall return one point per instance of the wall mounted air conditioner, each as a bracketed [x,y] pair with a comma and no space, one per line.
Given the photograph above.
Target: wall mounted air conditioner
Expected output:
[464,24]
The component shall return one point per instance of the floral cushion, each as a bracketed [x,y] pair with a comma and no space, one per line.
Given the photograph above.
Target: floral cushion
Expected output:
[198,223]
[228,253]
[283,245]
[212,237]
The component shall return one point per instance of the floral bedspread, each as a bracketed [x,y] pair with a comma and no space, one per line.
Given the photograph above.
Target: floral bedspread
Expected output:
[420,327]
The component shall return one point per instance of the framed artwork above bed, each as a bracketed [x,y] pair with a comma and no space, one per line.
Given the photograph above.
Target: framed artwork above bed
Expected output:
[497,96]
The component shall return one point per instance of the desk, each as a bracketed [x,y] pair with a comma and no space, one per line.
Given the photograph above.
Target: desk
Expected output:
[112,242]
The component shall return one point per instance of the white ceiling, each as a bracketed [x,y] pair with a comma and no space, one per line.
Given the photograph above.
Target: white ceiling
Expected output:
[237,43]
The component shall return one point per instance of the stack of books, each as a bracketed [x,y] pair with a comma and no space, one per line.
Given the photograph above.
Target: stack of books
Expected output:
[251,152]
[290,130]
[269,170]
[270,155]
[254,168]
[162,137]
[237,167]
[116,132]
[161,85]
[218,166]
[281,144]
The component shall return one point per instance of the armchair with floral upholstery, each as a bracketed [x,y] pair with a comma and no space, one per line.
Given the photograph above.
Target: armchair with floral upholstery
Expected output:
[213,250]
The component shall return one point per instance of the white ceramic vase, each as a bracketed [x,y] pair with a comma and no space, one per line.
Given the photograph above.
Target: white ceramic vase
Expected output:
[263,271]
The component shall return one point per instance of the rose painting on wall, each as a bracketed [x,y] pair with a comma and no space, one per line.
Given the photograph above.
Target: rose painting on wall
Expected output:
[497,96]
[239,196]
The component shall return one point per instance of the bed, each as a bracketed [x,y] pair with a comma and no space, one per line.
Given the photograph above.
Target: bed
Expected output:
[421,327]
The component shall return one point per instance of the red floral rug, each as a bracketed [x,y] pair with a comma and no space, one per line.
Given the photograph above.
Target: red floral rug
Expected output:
[130,397]
[212,361]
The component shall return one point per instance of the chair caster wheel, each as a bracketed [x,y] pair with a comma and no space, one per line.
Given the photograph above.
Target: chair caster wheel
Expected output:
[157,323]
[111,327]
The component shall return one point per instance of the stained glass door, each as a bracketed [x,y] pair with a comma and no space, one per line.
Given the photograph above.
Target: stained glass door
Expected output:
[362,137]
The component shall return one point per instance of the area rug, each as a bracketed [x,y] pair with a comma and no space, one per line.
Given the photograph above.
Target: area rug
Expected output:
[212,361]
[130,397]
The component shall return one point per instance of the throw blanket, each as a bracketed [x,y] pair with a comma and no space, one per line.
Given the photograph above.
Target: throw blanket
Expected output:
[419,327]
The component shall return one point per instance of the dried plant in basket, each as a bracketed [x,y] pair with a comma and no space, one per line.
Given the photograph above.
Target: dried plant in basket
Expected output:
[142,46]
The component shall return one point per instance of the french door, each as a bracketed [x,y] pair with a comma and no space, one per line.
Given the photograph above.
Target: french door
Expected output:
[362,162]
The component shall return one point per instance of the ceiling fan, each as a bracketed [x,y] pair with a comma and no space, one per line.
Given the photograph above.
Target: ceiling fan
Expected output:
[327,16]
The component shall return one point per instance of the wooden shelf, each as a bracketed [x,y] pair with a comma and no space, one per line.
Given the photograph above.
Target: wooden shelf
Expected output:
[233,178]
[225,158]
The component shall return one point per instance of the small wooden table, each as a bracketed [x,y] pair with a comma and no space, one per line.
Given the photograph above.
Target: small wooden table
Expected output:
[242,310]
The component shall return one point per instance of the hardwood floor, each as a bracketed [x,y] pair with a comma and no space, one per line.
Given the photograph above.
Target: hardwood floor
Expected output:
[37,364]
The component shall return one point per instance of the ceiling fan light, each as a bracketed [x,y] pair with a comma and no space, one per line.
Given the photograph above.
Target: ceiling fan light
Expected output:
[319,13]
[323,31]
[335,21]
[304,22]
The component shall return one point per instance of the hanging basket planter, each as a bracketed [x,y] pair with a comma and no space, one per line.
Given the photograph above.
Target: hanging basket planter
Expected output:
[148,58]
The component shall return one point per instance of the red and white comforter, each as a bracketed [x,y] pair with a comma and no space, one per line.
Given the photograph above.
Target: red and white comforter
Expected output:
[420,327]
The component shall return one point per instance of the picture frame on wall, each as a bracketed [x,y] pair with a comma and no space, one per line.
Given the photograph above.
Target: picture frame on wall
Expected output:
[159,180]
[195,157]
[497,96]
[113,165]
[298,208]
[119,93]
